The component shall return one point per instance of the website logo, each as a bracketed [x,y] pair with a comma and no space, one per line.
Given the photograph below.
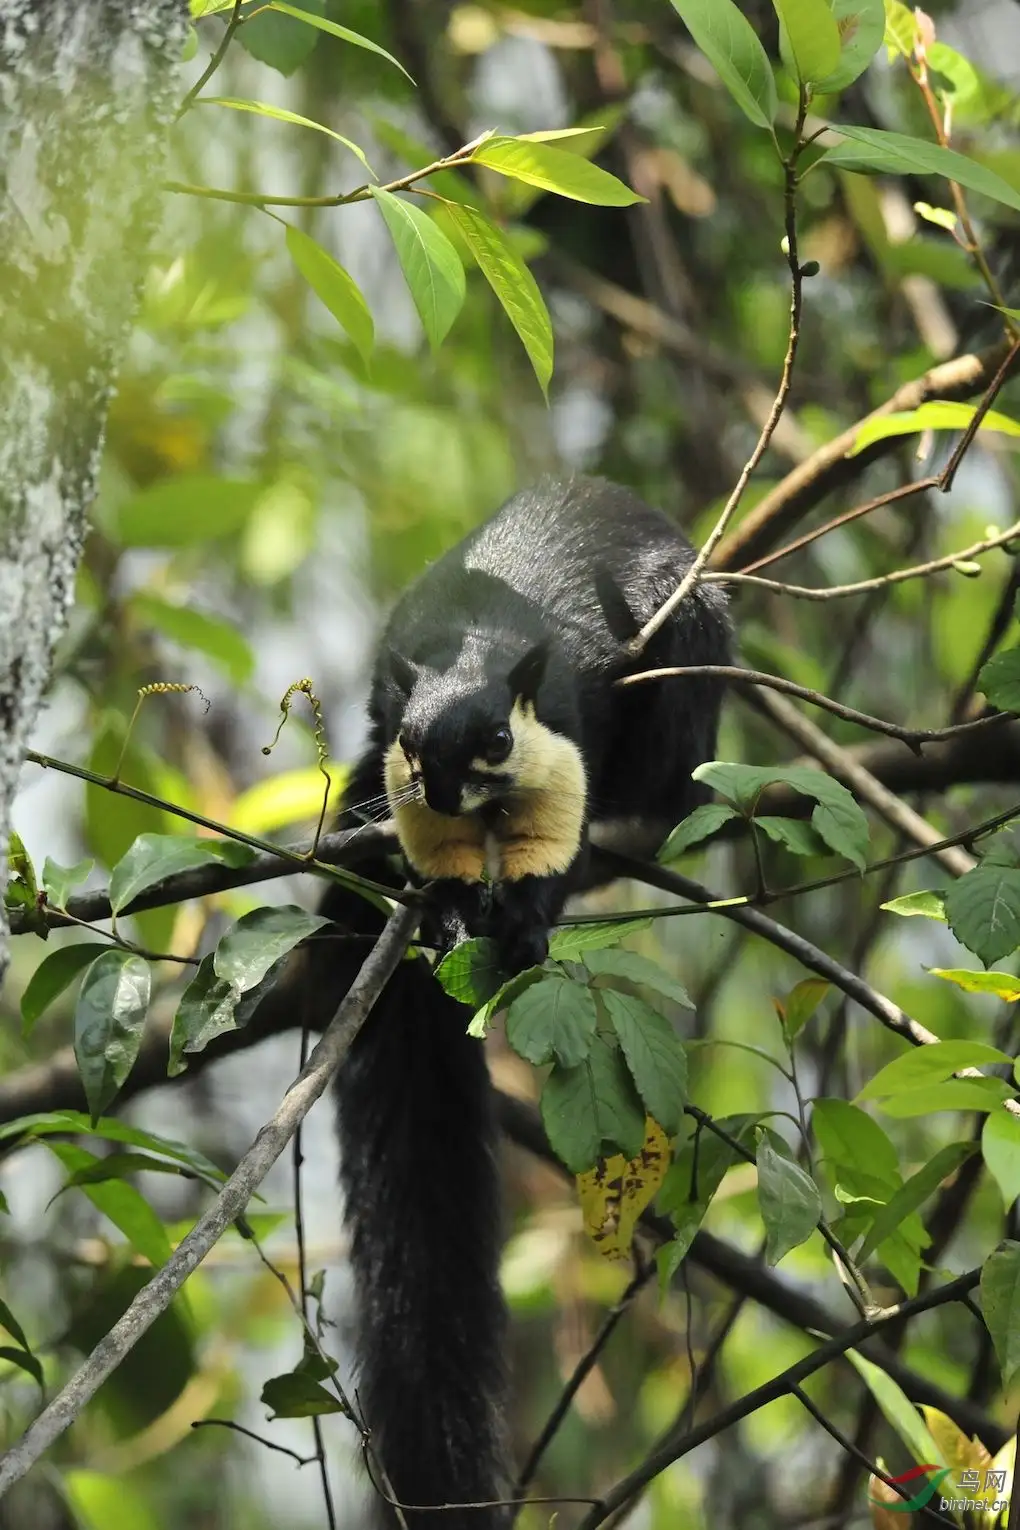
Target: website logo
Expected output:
[925,1493]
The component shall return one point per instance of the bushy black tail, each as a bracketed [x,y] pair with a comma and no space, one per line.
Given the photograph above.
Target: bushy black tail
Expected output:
[418,1143]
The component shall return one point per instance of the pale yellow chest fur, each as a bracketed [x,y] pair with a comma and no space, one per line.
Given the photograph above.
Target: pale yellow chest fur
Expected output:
[536,832]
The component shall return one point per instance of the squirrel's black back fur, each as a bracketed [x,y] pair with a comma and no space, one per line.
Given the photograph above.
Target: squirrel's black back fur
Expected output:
[552,586]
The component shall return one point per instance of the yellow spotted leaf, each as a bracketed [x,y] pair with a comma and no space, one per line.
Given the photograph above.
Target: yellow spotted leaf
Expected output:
[615,1193]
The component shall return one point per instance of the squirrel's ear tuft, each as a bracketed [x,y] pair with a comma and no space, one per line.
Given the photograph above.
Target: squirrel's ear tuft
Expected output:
[403,672]
[616,609]
[527,674]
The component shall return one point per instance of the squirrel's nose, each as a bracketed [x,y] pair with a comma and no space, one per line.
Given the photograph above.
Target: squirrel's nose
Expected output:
[442,793]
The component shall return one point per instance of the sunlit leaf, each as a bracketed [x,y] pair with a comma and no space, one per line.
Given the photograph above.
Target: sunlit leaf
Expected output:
[262,109]
[101,1502]
[178,512]
[800,1004]
[929,1065]
[731,45]
[954,1094]
[861,29]
[898,1409]
[58,881]
[873,151]
[125,1206]
[938,415]
[929,905]
[1003,984]
[552,169]
[568,944]
[258,940]
[335,287]
[513,284]
[812,36]
[292,797]
[913,1194]
[430,264]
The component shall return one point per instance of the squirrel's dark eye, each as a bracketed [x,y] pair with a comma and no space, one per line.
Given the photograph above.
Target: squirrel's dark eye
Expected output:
[499,746]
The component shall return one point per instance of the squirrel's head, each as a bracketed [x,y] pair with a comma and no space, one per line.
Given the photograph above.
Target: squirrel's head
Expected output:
[467,735]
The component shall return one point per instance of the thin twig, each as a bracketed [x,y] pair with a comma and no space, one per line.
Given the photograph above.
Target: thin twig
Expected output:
[156,1296]
[214,62]
[260,1439]
[912,737]
[694,573]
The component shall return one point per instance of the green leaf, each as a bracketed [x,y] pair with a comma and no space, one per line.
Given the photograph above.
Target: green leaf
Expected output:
[983,910]
[837,818]
[261,109]
[76,1123]
[25,1361]
[730,44]
[552,169]
[513,284]
[955,1094]
[929,1065]
[619,1113]
[1000,1147]
[108,1022]
[569,1117]
[101,1502]
[298,1395]
[154,857]
[471,973]
[335,287]
[999,679]
[503,998]
[1000,1306]
[898,1409]
[556,1017]
[913,1194]
[861,26]
[259,939]
[637,969]
[929,905]
[788,1199]
[654,1055]
[13,1327]
[873,151]
[430,264]
[792,833]
[343,33]
[900,29]
[277,40]
[938,415]
[178,512]
[1003,984]
[122,1166]
[574,939]
[54,973]
[58,881]
[209,1006]
[217,639]
[703,822]
[800,1004]
[812,35]
[848,1135]
[125,1206]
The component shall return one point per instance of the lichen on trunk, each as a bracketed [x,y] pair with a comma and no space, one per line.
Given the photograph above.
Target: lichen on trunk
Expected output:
[87,94]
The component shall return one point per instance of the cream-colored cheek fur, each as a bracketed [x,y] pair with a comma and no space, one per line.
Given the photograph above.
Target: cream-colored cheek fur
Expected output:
[538,833]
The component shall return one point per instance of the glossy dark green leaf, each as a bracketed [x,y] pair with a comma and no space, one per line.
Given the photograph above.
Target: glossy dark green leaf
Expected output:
[513,284]
[788,1199]
[705,821]
[633,968]
[208,1007]
[554,1018]
[59,882]
[108,1021]
[654,1055]
[1000,1306]
[336,288]
[731,45]
[983,910]
[999,679]
[56,972]
[298,1395]
[154,857]
[552,169]
[431,265]
[258,941]
[837,818]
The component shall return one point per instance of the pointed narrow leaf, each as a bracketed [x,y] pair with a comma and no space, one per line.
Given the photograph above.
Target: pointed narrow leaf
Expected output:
[25,1361]
[108,1022]
[343,33]
[513,284]
[978,1094]
[76,1123]
[335,287]
[931,905]
[873,151]
[1000,1147]
[430,264]
[54,973]
[1003,984]
[261,109]
[219,640]
[125,1206]
[731,45]
[929,1065]
[913,1194]
[898,1409]
[551,169]
[654,1055]
[813,37]
[938,415]
[789,1201]
[1000,1306]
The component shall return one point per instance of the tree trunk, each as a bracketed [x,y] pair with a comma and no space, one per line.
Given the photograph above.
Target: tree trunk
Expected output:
[87,93]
